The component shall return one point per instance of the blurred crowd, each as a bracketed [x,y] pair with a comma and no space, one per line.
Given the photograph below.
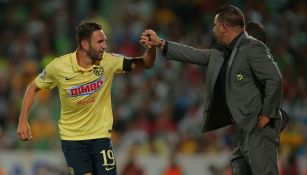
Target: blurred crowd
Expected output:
[158,111]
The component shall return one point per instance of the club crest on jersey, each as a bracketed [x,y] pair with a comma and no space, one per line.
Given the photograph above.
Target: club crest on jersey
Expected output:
[98,70]
[86,89]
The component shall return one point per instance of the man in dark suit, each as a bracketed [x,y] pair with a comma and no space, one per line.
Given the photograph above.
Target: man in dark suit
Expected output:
[231,94]
[257,31]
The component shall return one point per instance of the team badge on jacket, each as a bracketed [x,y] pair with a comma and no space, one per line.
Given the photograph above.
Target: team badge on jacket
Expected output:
[98,70]
[239,77]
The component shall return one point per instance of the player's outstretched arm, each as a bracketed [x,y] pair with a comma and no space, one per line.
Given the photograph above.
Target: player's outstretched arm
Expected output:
[144,62]
[149,57]
[23,130]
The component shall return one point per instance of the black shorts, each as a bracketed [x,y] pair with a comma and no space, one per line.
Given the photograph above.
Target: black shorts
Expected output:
[90,156]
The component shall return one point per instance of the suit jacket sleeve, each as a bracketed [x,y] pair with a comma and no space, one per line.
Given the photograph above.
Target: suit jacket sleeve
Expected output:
[266,70]
[183,53]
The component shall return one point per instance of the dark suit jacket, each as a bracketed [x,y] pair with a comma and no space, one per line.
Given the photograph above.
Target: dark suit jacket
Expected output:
[249,59]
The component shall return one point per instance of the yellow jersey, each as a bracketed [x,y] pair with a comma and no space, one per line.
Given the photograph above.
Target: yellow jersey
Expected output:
[85,95]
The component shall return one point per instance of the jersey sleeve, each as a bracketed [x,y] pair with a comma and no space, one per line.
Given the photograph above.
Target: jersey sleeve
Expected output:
[118,61]
[46,79]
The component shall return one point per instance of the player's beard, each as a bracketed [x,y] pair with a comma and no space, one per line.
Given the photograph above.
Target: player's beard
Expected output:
[94,55]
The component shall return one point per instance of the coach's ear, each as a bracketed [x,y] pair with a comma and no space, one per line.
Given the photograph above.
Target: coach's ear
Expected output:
[85,44]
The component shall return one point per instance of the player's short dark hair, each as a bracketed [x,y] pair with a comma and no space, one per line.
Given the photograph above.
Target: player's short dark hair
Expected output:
[231,15]
[256,30]
[85,30]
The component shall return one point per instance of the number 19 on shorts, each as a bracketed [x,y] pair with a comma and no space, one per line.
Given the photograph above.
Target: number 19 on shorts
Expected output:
[108,157]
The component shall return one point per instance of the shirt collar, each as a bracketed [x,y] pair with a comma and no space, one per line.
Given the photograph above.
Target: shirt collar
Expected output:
[75,64]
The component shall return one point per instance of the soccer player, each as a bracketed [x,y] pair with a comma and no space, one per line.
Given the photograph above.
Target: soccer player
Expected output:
[84,80]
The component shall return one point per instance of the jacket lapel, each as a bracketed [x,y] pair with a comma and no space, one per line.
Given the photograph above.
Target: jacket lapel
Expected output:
[233,53]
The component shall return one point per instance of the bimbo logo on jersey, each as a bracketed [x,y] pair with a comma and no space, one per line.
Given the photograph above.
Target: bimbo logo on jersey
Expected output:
[86,89]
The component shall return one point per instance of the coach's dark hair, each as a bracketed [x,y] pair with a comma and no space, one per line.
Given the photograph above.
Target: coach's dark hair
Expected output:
[256,30]
[231,15]
[85,30]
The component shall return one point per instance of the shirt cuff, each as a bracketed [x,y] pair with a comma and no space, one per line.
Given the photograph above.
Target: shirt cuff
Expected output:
[164,51]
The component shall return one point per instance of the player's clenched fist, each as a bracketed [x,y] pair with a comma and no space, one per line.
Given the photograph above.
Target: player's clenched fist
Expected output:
[24,131]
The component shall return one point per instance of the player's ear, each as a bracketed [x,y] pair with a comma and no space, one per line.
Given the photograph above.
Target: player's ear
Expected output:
[85,44]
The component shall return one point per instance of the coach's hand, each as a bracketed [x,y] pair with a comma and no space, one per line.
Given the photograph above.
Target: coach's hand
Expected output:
[263,121]
[24,131]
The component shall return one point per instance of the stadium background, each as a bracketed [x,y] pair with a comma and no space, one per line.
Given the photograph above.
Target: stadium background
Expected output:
[157,112]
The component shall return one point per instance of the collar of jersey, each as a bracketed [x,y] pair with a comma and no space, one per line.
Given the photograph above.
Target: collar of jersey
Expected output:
[75,65]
